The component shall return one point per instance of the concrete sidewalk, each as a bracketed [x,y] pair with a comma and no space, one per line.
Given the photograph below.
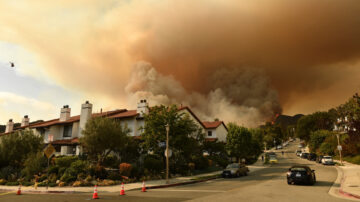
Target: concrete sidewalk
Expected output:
[131,186]
[350,180]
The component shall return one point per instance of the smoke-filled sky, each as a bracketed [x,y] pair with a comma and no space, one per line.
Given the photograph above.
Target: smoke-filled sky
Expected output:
[237,60]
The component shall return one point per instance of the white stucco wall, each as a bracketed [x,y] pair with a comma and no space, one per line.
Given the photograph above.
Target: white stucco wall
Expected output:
[55,131]
[221,133]
[213,133]
[75,130]
[130,123]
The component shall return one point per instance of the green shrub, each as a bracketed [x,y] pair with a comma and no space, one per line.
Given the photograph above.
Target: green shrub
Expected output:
[79,166]
[353,159]
[54,169]
[98,171]
[9,173]
[12,183]
[27,183]
[34,164]
[68,177]
[61,171]
[42,178]
[111,161]
[153,164]
[114,176]
[327,149]
[201,162]
[65,161]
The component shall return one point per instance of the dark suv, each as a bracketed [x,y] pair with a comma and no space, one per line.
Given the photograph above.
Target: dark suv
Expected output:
[304,155]
[301,175]
[312,157]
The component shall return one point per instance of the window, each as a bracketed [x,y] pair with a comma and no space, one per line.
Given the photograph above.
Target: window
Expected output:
[67,131]
[209,133]
[57,148]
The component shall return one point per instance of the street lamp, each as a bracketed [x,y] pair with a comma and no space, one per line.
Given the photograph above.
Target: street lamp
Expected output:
[167,153]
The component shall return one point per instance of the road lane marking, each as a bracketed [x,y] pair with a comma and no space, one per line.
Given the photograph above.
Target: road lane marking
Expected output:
[6,193]
[187,190]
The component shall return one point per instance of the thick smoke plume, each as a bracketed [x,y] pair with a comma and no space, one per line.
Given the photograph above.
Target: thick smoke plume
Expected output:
[242,94]
[208,54]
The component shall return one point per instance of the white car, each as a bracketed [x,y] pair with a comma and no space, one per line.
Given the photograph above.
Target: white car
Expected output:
[327,160]
[279,147]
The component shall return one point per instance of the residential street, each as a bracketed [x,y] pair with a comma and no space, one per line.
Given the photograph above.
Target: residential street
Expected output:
[267,184]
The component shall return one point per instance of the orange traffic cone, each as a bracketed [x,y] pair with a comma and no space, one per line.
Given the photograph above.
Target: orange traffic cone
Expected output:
[19,190]
[122,192]
[95,195]
[143,188]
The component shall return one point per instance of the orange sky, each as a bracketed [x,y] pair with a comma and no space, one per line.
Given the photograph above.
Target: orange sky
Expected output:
[258,57]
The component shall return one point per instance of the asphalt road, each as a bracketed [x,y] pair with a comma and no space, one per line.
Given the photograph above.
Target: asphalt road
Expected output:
[268,184]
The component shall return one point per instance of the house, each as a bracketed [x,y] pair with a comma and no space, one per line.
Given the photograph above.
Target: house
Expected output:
[64,132]
[215,130]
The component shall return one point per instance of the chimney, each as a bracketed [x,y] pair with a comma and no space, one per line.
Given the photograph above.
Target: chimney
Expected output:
[85,115]
[9,126]
[25,121]
[65,113]
[142,108]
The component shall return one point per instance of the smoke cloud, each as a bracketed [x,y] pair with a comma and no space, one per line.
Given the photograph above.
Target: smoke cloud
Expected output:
[234,60]
[242,95]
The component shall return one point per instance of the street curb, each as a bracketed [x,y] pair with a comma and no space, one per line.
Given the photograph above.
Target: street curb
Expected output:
[42,192]
[344,193]
[177,184]
[338,191]
[148,187]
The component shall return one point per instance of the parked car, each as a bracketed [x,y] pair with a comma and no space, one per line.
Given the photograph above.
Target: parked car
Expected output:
[273,159]
[235,170]
[319,159]
[301,175]
[298,152]
[271,154]
[279,147]
[304,155]
[312,157]
[300,146]
[327,160]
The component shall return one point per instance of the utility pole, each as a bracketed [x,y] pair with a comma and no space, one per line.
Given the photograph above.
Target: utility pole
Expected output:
[339,147]
[167,153]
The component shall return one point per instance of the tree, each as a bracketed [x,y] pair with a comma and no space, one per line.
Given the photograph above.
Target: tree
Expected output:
[351,110]
[103,136]
[238,141]
[317,138]
[16,147]
[313,122]
[272,135]
[217,152]
[185,137]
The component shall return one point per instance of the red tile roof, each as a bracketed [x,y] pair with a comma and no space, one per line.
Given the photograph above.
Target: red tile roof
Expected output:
[75,119]
[212,124]
[126,114]
[73,141]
